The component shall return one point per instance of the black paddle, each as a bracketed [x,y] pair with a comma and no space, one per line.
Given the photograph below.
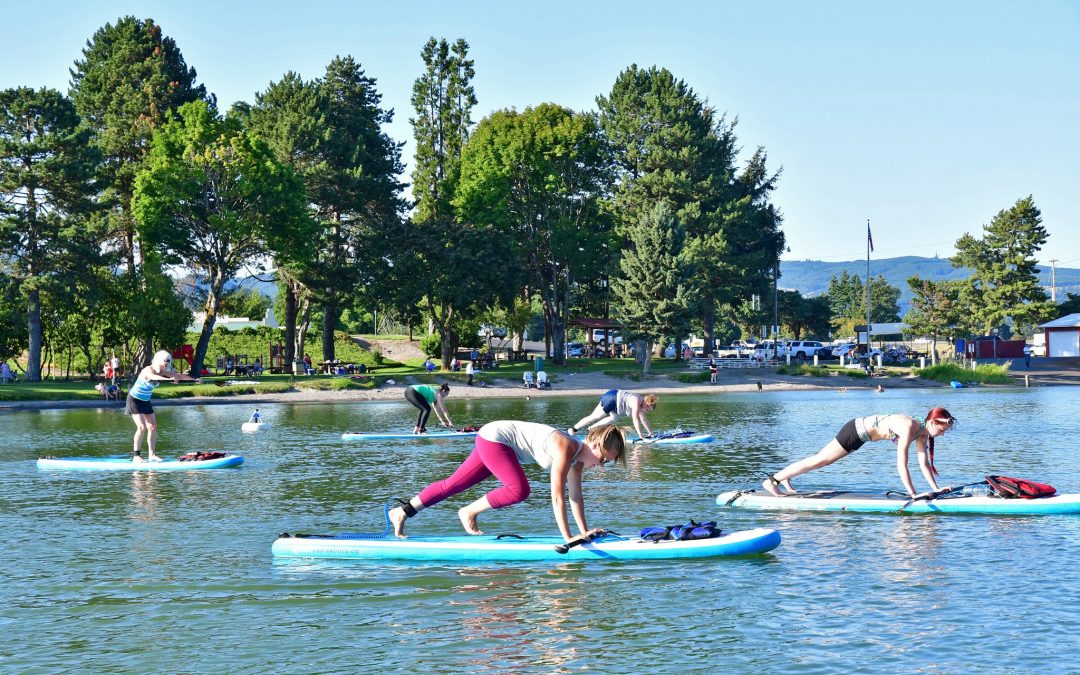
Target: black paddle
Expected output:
[578,541]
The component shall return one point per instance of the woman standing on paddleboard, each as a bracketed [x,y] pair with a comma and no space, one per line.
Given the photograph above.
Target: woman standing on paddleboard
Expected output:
[900,429]
[616,403]
[500,450]
[424,396]
[138,401]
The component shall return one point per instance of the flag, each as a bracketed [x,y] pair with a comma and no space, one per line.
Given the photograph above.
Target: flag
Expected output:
[869,238]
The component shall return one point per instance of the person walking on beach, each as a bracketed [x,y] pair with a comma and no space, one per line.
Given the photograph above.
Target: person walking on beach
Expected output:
[616,403]
[138,402]
[424,396]
[500,450]
[900,429]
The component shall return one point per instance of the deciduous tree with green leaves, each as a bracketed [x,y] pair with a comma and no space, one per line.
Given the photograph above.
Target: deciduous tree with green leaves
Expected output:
[216,200]
[1004,283]
[538,176]
[46,191]
[934,310]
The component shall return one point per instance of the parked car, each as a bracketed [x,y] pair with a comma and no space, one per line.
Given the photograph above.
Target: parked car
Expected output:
[575,350]
[825,353]
[669,351]
[801,349]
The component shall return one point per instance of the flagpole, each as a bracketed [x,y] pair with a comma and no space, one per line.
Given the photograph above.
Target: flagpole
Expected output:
[869,248]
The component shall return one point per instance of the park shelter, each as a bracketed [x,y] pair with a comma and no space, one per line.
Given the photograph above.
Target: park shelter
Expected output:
[1063,336]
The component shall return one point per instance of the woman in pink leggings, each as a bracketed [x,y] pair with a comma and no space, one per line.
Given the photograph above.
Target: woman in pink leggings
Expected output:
[501,448]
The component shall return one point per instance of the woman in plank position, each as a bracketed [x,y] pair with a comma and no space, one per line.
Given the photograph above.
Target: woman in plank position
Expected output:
[900,429]
[424,397]
[616,403]
[500,450]
[138,401]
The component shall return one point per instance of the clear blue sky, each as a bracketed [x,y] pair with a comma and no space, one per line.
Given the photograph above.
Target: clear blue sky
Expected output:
[924,117]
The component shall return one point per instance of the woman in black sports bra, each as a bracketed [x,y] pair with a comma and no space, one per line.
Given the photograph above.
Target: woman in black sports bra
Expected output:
[900,429]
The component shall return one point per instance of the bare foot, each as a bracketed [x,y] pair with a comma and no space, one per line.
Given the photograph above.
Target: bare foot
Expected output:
[468,520]
[397,519]
[154,458]
[137,459]
[788,487]
[769,487]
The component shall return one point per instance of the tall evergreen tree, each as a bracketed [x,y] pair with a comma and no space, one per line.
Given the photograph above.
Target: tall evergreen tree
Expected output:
[669,145]
[46,190]
[290,116]
[436,248]
[847,302]
[131,78]
[656,287]
[1004,283]
[356,191]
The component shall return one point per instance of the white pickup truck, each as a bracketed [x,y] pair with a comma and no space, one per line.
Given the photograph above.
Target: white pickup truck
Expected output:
[737,349]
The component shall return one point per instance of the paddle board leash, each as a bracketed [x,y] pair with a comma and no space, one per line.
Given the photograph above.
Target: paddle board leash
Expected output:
[584,539]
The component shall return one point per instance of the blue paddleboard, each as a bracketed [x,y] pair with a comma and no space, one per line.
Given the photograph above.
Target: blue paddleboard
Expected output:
[870,502]
[390,435]
[486,548]
[125,464]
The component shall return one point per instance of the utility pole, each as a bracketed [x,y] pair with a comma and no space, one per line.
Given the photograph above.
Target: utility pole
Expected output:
[1053,280]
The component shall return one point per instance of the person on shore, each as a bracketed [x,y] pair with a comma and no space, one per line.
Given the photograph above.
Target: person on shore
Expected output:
[138,402]
[117,371]
[713,370]
[500,449]
[616,403]
[469,370]
[5,373]
[424,396]
[900,429]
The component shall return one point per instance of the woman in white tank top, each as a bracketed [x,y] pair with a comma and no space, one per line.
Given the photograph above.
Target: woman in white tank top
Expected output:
[500,450]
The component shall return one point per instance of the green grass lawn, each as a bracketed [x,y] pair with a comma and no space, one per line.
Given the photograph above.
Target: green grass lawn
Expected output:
[83,390]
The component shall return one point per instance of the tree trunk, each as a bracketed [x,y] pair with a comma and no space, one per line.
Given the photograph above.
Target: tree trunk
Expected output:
[290,325]
[213,305]
[33,320]
[329,322]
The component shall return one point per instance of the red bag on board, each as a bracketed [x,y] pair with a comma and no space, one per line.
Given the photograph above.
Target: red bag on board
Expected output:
[1019,488]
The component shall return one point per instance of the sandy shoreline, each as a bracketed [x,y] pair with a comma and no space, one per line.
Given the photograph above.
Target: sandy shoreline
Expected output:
[567,384]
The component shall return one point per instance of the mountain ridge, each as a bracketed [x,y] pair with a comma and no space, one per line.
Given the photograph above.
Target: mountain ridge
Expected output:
[811,277]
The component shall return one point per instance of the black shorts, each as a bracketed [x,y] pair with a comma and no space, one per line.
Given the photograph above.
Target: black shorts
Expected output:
[848,438]
[138,407]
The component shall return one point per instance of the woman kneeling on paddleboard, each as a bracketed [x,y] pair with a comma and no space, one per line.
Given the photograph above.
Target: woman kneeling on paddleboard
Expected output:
[616,403]
[900,429]
[500,450]
[138,401]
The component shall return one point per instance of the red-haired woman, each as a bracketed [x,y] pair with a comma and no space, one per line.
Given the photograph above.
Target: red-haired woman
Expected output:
[900,429]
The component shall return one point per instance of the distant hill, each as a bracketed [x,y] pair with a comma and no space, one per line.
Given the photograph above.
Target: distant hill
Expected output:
[811,277]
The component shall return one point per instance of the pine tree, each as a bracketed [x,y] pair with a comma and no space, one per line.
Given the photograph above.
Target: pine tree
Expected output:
[656,288]
[1005,284]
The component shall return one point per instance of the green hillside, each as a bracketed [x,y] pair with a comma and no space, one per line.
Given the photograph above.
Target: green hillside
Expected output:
[811,277]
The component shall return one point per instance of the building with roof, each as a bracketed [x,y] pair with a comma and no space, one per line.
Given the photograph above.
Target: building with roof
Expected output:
[1063,336]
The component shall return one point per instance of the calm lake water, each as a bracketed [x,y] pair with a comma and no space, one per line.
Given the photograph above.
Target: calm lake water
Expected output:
[155,572]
